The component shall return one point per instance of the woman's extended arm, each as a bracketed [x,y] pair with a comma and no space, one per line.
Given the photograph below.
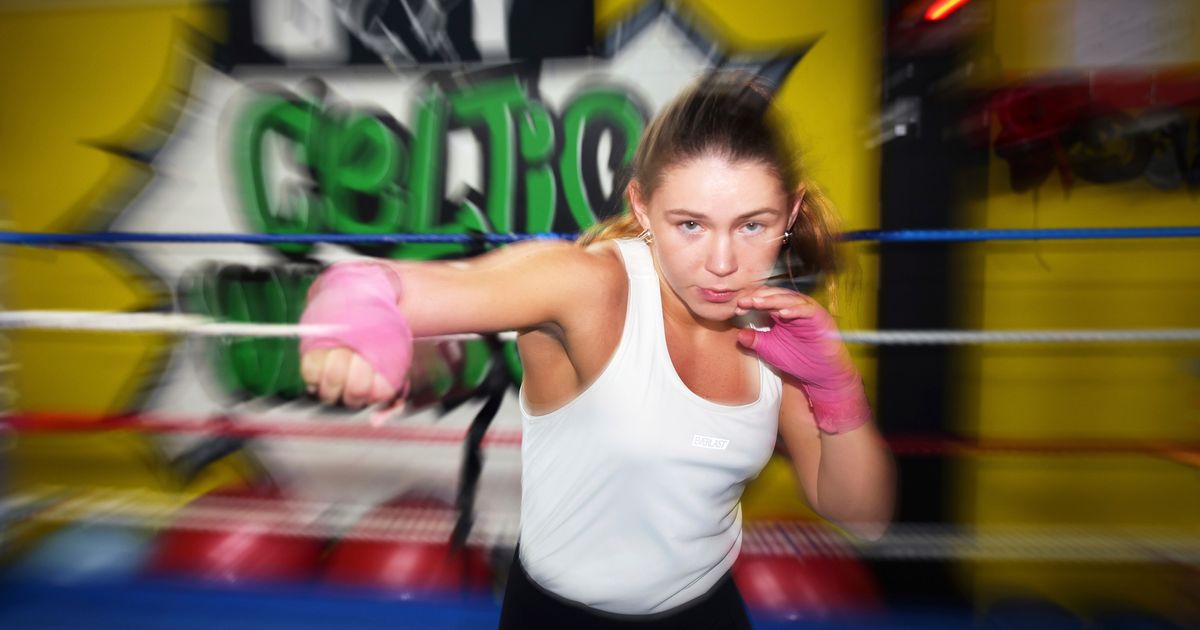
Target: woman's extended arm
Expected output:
[386,303]
[525,285]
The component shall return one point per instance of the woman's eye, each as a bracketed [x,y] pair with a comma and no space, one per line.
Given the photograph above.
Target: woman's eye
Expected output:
[754,228]
[689,226]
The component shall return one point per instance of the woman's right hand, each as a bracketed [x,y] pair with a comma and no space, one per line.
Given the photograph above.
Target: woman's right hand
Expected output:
[362,352]
[342,375]
[368,312]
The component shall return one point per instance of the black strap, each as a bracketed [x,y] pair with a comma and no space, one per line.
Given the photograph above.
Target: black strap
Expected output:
[494,386]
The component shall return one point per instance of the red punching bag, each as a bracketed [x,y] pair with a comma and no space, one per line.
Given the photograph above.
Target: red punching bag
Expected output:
[236,536]
[404,547]
[798,580]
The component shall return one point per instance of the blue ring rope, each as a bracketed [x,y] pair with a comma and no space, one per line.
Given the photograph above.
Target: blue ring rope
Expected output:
[1059,234]
[39,239]
[880,236]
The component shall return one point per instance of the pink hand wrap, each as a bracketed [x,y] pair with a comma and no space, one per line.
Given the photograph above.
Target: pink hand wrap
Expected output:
[807,349]
[361,298]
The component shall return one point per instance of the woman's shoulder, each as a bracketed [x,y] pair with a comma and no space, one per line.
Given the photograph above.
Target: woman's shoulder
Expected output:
[586,284]
[596,268]
[607,264]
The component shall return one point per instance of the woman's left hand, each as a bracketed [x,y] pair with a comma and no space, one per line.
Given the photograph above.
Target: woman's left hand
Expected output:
[803,342]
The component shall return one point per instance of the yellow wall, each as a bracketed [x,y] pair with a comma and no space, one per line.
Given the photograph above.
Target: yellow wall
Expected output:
[1072,392]
[80,76]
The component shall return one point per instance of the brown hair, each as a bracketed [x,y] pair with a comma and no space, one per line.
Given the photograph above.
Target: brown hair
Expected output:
[729,114]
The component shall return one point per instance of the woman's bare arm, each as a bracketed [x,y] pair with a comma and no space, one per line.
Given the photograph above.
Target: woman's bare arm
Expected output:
[526,285]
[849,477]
[520,287]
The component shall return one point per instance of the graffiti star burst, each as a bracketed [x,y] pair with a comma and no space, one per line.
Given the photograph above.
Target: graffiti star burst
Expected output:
[697,46]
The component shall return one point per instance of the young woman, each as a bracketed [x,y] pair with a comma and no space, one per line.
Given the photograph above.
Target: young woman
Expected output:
[646,408]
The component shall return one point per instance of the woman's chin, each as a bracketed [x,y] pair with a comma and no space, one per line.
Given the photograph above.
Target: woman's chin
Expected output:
[715,312]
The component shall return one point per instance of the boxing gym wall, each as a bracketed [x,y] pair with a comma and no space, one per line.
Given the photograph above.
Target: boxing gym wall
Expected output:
[199,118]
[269,118]
[1092,122]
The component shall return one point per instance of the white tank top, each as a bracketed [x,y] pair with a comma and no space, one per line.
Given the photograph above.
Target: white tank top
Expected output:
[630,492]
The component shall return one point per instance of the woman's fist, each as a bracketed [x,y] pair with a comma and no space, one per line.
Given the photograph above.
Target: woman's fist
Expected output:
[340,374]
[803,342]
[364,350]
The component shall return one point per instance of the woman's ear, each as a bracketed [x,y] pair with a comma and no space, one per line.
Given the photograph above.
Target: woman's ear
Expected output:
[637,205]
[797,205]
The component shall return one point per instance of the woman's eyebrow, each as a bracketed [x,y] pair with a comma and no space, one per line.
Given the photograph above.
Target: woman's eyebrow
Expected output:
[686,213]
[700,215]
[763,210]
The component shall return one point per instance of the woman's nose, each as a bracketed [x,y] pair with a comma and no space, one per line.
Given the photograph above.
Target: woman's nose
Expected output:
[721,260]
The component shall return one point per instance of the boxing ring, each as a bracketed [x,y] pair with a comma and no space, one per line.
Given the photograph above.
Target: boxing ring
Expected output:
[320,547]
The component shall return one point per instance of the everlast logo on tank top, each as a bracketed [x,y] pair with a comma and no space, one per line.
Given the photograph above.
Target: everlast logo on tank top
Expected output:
[703,441]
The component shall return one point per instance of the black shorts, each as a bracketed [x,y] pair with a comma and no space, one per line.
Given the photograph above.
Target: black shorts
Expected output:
[528,606]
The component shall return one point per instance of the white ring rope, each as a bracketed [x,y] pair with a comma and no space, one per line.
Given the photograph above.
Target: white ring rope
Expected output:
[181,323]
[409,524]
[958,337]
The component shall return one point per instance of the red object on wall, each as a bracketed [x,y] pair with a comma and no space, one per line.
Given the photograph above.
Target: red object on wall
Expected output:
[1103,126]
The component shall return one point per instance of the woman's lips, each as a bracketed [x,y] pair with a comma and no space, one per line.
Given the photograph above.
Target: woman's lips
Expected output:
[718,296]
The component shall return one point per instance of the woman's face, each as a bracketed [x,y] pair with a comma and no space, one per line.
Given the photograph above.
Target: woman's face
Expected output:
[717,229]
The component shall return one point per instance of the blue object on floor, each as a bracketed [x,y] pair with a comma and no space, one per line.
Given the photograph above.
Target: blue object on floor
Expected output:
[84,552]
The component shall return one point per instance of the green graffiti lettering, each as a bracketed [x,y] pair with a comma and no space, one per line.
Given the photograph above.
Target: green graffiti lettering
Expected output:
[476,360]
[258,362]
[252,366]
[199,298]
[294,122]
[425,184]
[539,199]
[537,133]
[600,104]
[537,150]
[493,104]
[367,181]
[363,164]
[425,179]
[512,360]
